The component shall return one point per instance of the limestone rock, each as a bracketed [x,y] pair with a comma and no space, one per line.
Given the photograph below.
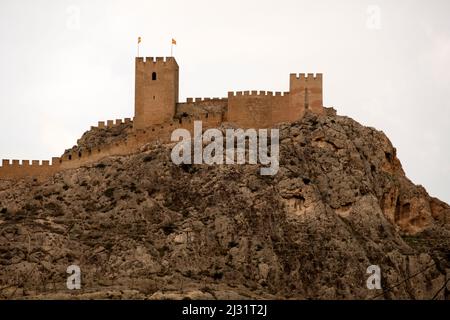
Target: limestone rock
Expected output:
[141,227]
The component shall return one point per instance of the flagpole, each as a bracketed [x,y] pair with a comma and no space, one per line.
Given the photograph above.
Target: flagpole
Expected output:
[138,45]
[171,46]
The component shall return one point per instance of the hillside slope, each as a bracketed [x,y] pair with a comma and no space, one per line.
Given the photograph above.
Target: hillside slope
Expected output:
[141,227]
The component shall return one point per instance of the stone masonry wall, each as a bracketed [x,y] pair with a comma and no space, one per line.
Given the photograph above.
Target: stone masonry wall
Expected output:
[257,109]
[15,169]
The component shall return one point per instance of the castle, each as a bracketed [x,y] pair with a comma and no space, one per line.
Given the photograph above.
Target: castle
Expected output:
[158,112]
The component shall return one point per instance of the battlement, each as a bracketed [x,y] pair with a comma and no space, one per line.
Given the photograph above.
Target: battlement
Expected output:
[257,93]
[193,100]
[111,123]
[155,59]
[16,169]
[7,163]
[306,76]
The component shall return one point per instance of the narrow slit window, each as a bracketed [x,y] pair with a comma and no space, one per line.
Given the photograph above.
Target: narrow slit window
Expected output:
[153,75]
[306,99]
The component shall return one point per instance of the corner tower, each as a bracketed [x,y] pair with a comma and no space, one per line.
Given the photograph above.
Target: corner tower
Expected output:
[156,91]
[305,94]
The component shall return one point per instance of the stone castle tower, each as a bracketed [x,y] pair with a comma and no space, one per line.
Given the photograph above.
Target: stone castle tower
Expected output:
[156,91]
[156,98]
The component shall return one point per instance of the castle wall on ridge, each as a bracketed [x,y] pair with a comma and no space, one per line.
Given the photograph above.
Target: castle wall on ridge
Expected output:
[158,113]
[15,169]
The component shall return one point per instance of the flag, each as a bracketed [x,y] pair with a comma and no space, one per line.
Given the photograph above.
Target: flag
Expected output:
[174,41]
[139,40]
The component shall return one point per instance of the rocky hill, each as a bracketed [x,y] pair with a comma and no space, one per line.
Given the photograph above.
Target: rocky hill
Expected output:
[142,227]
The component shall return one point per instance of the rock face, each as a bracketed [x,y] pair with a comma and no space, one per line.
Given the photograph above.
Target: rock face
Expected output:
[143,227]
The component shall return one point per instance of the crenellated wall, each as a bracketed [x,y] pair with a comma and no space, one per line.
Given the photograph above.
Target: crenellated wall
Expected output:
[253,109]
[201,101]
[111,123]
[15,169]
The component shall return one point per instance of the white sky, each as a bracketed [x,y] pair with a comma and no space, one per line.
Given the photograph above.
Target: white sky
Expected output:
[67,64]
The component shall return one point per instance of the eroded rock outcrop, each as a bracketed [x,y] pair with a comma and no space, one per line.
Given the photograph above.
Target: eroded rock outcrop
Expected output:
[143,227]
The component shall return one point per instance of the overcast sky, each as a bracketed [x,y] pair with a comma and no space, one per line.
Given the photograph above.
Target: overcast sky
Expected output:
[67,64]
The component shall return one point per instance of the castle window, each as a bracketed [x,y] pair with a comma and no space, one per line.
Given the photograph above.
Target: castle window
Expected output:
[154,76]
[306,99]
[70,157]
